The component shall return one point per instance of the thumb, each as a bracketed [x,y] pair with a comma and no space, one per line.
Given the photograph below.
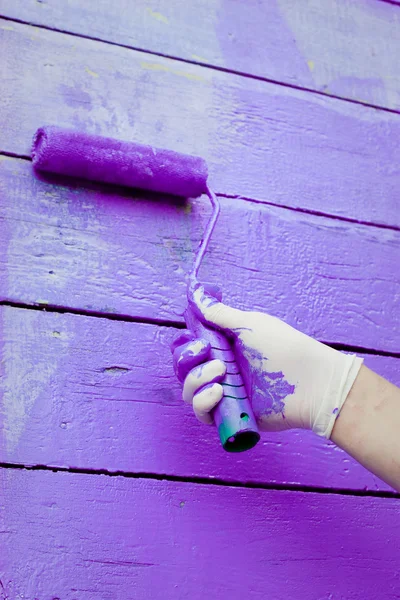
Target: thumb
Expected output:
[215,313]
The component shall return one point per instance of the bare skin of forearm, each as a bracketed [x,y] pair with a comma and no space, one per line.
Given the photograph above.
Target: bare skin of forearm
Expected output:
[368,426]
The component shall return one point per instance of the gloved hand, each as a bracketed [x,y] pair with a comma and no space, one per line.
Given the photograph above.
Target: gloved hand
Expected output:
[292,380]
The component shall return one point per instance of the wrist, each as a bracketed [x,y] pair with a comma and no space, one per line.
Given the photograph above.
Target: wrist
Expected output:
[342,376]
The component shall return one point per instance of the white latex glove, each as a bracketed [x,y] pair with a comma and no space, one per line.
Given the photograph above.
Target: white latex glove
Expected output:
[292,380]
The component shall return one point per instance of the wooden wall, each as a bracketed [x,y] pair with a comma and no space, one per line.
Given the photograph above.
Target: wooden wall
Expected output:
[109,488]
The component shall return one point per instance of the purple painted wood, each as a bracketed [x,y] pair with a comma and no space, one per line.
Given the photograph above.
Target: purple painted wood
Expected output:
[84,537]
[338,47]
[261,140]
[102,251]
[98,394]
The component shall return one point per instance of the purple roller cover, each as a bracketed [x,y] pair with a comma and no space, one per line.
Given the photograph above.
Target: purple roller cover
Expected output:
[123,163]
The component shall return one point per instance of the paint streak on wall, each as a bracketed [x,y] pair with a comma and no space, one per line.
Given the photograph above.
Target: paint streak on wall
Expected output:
[157,15]
[151,66]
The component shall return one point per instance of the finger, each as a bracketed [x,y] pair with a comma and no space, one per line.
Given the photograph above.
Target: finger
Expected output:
[181,340]
[190,355]
[213,290]
[213,312]
[205,374]
[206,400]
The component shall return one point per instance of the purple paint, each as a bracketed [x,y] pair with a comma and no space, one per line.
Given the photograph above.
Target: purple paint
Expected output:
[228,413]
[83,417]
[207,386]
[199,372]
[97,158]
[105,538]
[291,169]
[60,360]
[236,433]
[216,379]
[188,356]
[209,300]
[182,340]
[314,46]
[75,97]
[268,390]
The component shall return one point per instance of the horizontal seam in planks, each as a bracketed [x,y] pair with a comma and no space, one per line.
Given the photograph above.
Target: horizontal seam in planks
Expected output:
[308,211]
[202,64]
[214,481]
[392,2]
[297,209]
[93,313]
[167,323]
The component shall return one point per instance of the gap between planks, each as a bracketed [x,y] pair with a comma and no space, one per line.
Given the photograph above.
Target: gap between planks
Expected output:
[166,323]
[392,2]
[205,65]
[296,209]
[315,213]
[214,481]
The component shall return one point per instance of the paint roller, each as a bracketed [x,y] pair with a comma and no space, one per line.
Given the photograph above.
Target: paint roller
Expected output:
[134,165]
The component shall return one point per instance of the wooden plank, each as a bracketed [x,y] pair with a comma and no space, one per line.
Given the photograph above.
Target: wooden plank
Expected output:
[338,47]
[99,394]
[110,251]
[261,140]
[100,538]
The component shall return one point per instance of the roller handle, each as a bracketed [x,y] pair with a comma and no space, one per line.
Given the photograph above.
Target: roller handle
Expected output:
[233,415]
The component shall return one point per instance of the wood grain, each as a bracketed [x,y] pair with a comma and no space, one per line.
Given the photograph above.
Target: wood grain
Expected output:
[261,140]
[98,394]
[100,538]
[111,251]
[337,47]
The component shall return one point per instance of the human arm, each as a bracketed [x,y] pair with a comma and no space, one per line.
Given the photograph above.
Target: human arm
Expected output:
[369,426]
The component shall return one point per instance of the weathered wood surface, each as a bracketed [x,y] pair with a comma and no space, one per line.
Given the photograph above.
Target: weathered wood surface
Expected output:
[344,48]
[75,536]
[109,251]
[262,140]
[93,393]
[97,394]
